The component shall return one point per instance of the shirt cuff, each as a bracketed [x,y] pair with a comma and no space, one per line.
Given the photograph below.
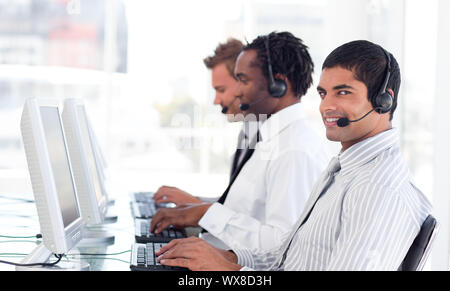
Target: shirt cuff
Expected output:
[245,259]
[208,199]
[246,269]
[216,218]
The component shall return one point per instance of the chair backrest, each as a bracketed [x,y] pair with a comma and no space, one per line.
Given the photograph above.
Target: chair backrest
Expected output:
[420,249]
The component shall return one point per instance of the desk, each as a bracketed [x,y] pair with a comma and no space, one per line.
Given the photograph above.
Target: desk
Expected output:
[19,218]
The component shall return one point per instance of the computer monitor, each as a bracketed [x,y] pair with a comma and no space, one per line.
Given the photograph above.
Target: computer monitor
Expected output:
[102,166]
[51,176]
[85,167]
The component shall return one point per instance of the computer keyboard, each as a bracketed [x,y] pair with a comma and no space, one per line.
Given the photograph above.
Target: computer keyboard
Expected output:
[143,205]
[142,197]
[143,210]
[143,234]
[143,258]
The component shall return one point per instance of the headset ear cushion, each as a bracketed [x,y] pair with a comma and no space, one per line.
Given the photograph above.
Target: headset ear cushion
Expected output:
[278,88]
[384,103]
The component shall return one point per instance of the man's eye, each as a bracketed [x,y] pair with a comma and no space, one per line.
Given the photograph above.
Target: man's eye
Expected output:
[343,92]
[322,94]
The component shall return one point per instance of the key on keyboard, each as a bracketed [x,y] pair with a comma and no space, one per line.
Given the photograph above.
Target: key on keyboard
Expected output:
[143,258]
[144,235]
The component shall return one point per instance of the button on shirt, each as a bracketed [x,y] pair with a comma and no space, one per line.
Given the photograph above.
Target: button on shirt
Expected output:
[270,192]
[366,220]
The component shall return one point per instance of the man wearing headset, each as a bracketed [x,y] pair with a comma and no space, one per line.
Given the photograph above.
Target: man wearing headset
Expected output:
[267,194]
[221,64]
[364,211]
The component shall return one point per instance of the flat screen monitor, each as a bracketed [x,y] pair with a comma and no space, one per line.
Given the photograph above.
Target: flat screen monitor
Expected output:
[98,153]
[82,153]
[51,176]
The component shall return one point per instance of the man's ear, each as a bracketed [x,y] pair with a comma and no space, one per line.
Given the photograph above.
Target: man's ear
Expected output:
[391,92]
[282,77]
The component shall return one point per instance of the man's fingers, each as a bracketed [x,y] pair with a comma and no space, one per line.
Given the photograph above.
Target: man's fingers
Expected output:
[155,220]
[179,262]
[168,247]
[177,247]
[163,225]
[161,193]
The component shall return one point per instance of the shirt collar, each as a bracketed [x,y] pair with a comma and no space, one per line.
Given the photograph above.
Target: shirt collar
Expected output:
[280,120]
[367,150]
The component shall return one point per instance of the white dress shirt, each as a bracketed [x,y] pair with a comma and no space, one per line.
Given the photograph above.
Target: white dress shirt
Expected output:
[269,194]
[246,140]
[366,220]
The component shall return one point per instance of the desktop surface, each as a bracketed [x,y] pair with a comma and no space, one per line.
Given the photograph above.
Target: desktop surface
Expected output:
[19,219]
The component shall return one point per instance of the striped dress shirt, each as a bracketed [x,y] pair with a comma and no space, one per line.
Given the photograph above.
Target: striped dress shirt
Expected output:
[365,220]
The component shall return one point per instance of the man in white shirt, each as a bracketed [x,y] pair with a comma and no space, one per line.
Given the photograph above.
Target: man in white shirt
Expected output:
[364,212]
[221,64]
[266,195]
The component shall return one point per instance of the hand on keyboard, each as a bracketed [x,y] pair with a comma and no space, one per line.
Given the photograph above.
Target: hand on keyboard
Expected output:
[197,255]
[167,194]
[178,217]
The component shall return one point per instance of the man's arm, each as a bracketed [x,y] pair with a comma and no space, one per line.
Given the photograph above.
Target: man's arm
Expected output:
[289,181]
[187,215]
[197,255]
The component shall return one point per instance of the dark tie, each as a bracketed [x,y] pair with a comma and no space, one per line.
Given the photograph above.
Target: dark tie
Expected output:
[247,155]
[322,188]
[242,147]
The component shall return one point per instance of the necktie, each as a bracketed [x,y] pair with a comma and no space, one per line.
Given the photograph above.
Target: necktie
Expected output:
[242,148]
[333,167]
[248,154]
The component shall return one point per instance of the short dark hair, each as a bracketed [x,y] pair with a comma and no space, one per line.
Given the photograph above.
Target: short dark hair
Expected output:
[369,63]
[226,53]
[289,57]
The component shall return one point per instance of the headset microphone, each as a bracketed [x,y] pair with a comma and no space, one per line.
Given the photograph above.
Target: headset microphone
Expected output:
[344,122]
[226,108]
[246,106]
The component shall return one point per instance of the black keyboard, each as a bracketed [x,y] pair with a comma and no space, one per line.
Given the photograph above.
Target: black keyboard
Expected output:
[143,258]
[143,234]
[143,205]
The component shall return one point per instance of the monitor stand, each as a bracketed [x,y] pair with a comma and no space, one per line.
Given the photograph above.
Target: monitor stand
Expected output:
[41,255]
[110,219]
[94,235]
[111,202]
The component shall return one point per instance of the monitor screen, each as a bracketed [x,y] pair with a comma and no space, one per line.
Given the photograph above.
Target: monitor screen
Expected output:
[60,164]
[89,150]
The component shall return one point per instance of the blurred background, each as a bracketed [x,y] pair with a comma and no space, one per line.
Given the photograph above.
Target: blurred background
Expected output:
[138,65]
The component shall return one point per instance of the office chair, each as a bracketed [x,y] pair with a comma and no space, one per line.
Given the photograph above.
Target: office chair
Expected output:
[420,249]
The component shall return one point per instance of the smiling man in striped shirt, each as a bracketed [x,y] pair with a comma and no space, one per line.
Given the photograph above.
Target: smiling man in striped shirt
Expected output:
[364,211]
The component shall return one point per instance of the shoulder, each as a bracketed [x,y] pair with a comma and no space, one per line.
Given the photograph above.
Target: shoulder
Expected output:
[373,193]
[300,138]
[386,172]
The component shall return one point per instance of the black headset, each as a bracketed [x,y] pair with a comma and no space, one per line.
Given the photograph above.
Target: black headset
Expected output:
[277,87]
[384,101]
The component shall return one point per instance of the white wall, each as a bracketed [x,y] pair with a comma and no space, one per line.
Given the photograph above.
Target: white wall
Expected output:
[441,191]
